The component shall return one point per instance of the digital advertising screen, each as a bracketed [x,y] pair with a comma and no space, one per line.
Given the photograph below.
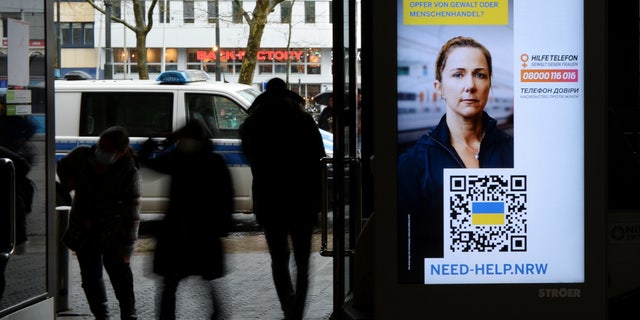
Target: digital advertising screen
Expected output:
[493,197]
[499,109]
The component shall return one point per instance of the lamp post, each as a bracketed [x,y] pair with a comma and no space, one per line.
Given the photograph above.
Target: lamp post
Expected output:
[58,70]
[108,51]
[217,42]
[164,47]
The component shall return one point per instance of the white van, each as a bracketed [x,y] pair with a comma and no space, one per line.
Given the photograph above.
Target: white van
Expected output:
[148,108]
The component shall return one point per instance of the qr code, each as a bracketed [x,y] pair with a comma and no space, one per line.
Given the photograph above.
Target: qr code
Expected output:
[488,213]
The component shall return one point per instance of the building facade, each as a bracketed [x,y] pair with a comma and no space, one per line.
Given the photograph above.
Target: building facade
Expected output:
[296,44]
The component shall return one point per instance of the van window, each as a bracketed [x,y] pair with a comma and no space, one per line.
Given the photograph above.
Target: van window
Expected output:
[143,114]
[221,115]
[200,107]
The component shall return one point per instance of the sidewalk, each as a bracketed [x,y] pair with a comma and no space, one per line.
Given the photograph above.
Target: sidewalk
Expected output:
[248,285]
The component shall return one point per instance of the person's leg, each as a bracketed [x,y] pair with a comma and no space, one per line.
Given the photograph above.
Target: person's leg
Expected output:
[301,240]
[121,276]
[221,310]
[168,297]
[90,263]
[278,244]
[4,260]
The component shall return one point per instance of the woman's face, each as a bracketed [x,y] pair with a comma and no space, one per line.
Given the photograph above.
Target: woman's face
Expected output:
[465,82]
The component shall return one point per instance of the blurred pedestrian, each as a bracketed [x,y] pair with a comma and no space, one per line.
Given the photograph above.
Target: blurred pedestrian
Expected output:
[200,208]
[15,135]
[287,185]
[104,217]
[325,120]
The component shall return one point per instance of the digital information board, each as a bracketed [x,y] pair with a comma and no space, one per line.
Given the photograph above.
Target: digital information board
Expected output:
[497,204]
[521,223]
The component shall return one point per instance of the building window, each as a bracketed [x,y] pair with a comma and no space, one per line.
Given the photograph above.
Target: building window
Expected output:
[165,13]
[154,60]
[310,12]
[77,34]
[125,60]
[188,12]
[122,60]
[301,61]
[5,18]
[204,59]
[285,12]
[265,68]
[171,59]
[314,60]
[88,34]
[237,12]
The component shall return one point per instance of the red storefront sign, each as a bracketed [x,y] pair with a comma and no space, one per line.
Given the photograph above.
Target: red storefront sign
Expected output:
[226,55]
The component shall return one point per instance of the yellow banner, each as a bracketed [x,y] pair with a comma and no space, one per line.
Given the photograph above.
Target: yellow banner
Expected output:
[448,12]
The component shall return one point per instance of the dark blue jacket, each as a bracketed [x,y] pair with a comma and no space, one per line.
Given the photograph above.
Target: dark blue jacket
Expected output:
[420,191]
[284,147]
[199,213]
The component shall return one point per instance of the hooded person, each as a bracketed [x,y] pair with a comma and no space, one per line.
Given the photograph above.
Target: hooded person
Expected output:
[200,207]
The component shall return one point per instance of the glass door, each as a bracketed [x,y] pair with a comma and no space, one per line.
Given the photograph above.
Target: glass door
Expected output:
[343,217]
[26,275]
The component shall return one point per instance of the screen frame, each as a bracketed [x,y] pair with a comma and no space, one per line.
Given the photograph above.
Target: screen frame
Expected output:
[528,301]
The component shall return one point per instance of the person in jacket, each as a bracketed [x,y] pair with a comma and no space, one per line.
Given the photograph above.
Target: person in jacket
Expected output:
[465,137]
[104,217]
[325,120]
[287,185]
[200,209]
[275,86]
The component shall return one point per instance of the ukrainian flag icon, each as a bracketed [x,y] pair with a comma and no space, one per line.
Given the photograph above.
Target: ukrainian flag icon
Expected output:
[487,213]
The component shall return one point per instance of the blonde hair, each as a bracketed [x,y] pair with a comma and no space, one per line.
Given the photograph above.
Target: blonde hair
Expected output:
[460,42]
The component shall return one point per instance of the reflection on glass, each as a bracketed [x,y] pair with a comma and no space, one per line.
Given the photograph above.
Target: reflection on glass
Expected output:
[22,133]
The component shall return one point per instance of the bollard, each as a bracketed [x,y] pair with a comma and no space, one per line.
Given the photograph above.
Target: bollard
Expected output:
[63,288]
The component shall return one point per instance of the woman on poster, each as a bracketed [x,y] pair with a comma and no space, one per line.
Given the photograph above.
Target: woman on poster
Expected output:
[465,137]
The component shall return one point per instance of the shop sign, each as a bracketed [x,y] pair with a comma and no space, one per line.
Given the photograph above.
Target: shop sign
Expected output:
[226,55]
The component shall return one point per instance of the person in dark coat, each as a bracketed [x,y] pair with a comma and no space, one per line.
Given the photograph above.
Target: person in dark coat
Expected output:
[275,86]
[325,120]
[284,147]
[104,217]
[200,207]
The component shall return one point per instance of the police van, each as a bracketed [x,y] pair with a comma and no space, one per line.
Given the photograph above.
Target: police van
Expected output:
[148,108]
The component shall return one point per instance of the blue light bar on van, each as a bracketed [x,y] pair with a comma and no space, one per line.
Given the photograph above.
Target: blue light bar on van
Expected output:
[182,76]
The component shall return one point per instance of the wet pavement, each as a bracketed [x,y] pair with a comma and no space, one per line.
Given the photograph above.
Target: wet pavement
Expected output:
[247,288]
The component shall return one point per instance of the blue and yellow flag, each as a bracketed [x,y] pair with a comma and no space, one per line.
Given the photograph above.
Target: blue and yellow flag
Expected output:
[487,213]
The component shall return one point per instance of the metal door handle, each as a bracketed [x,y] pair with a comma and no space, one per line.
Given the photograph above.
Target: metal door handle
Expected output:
[354,173]
[8,207]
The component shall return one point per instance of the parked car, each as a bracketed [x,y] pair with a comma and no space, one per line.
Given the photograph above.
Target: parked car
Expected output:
[148,108]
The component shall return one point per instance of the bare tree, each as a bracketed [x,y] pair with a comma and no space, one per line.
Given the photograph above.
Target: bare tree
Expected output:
[257,22]
[140,29]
